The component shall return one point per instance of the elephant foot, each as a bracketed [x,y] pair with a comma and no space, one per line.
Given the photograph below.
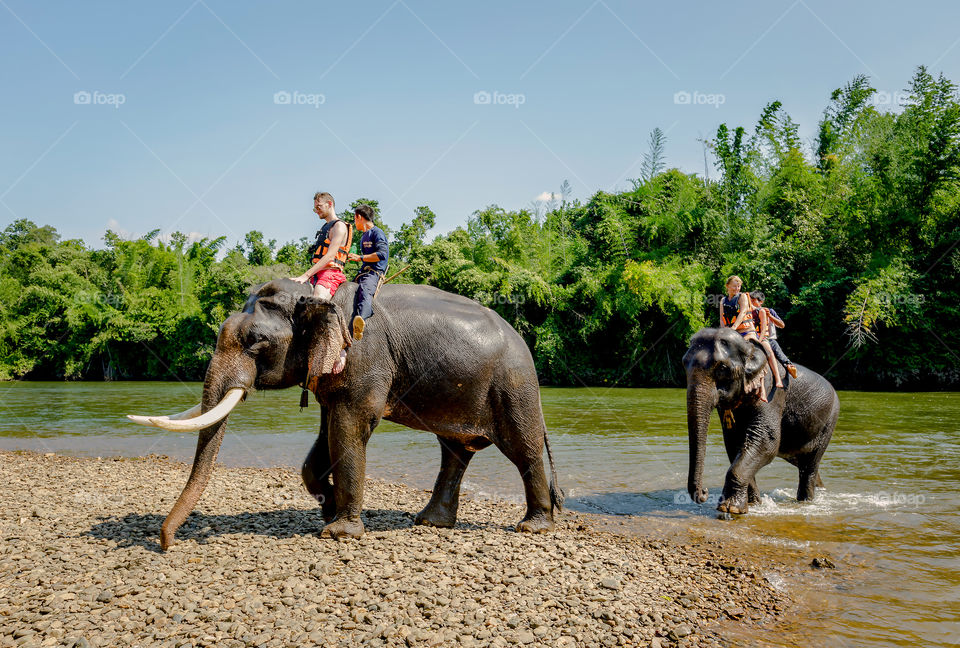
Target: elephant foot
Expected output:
[436,517]
[351,527]
[698,494]
[731,506]
[541,523]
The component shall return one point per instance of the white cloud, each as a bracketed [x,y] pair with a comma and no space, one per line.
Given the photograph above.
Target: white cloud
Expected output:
[547,196]
[123,233]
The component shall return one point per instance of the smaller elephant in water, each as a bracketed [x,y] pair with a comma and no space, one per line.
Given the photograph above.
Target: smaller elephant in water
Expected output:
[724,371]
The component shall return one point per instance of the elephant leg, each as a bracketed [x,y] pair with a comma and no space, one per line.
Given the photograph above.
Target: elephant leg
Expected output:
[809,464]
[348,434]
[441,511]
[528,458]
[759,449]
[317,473]
[809,467]
[733,441]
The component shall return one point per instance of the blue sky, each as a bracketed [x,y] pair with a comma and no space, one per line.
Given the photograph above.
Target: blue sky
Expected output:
[184,129]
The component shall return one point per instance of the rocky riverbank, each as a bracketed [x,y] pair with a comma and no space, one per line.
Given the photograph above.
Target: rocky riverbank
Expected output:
[80,565]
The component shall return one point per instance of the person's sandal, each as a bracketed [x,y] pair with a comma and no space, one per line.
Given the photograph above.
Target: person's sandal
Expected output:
[358,325]
[792,370]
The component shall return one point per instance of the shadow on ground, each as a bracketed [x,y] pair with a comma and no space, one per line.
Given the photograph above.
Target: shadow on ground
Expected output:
[143,530]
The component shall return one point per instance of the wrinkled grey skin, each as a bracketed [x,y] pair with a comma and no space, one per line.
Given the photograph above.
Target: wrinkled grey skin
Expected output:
[722,369]
[428,360]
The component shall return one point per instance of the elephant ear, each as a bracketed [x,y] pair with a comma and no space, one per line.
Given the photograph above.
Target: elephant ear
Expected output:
[322,328]
[753,367]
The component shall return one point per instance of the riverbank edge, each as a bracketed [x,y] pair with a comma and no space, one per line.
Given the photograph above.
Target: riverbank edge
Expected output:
[77,541]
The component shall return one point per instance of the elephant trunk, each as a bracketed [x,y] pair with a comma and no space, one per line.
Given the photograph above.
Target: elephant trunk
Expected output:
[208,444]
[701,399]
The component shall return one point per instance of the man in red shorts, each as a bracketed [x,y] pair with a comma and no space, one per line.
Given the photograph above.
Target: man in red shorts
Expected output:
[330,250]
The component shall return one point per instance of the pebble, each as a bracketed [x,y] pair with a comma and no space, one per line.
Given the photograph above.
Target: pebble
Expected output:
[248,569]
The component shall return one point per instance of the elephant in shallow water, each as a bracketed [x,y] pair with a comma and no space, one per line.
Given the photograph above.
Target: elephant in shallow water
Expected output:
[724,371]
[428,359]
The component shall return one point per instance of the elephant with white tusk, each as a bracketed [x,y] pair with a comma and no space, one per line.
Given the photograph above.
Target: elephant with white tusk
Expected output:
[429,360]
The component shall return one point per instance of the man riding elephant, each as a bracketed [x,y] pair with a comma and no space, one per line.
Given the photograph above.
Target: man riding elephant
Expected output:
[329,251]
[374,256]
[429,360]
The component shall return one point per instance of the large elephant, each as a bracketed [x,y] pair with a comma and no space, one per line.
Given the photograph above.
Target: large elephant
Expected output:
[428,360]
[725,371]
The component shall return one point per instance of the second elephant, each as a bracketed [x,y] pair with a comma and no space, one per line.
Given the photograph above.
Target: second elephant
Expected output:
[724,371]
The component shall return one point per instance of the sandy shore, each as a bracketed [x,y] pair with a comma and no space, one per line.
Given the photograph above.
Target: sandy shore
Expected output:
[80,565]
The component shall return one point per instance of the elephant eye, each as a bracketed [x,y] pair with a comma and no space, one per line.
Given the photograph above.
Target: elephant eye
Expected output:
[255,341]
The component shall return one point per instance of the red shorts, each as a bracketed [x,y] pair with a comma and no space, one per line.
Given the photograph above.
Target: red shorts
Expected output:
[330,278]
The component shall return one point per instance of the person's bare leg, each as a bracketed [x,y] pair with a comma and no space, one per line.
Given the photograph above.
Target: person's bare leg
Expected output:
[772,361]
[763,388]
[322,292]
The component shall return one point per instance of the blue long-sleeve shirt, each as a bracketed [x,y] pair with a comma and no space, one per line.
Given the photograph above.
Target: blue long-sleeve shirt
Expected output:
[374,241]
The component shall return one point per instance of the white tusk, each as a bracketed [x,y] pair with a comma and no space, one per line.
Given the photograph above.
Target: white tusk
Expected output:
[185,414]
[194,411]
[190,421]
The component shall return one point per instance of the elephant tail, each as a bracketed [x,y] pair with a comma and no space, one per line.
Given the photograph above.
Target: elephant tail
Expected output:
[556,493]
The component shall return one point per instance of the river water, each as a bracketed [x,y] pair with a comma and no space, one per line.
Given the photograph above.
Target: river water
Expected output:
[888,517]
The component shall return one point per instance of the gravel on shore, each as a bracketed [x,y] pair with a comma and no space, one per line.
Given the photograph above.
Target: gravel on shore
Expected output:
[80,565]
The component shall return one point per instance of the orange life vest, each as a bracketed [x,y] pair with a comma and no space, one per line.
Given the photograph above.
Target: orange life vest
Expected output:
[323,243]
